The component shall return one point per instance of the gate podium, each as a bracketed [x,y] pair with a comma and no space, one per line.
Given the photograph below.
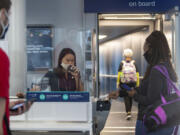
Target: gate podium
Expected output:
[56,111]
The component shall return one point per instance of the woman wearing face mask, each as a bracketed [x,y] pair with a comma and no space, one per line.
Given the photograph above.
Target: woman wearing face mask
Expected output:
[156,52]
[4,24]
[66,77]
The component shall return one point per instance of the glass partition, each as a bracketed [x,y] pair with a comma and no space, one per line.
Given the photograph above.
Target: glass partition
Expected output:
[46,66]
[68,46]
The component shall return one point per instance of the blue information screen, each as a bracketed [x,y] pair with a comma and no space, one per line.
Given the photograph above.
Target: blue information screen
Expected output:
[58,96]
[39,47]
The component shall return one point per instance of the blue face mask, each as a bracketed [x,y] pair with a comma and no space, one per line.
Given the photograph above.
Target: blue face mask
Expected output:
[4,27]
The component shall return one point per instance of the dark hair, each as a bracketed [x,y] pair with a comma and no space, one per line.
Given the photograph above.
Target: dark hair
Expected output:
[160,53]
[64,52]
[5,4]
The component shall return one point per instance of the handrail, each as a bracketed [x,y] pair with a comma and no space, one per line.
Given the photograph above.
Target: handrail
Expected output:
[114,76]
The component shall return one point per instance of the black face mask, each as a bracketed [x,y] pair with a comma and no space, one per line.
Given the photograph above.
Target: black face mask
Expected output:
[4,26]
[147,57]
[4,33]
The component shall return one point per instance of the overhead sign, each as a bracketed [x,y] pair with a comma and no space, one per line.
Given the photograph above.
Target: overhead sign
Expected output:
[129,6]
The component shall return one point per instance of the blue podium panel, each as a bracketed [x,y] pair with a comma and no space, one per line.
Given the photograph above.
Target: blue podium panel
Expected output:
[61,96]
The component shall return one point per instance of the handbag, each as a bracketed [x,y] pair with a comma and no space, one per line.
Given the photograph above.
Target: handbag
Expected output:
[165,112]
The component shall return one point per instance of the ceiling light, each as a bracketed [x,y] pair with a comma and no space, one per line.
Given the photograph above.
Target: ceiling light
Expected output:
[124,18]
[102,36]
[127,16]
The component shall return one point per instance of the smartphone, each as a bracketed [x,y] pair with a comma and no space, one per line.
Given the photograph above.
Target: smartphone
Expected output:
[15,107]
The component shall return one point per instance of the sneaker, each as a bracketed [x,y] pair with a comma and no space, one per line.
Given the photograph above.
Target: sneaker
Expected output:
[128,117]
[128,113]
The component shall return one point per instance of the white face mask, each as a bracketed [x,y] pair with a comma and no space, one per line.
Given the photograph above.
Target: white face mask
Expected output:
[4,27]
[65,66]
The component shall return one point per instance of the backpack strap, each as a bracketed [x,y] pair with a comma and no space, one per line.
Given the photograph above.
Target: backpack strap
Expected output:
[175,132]
[123,62]
[132,61]
[7,125]
[164,71]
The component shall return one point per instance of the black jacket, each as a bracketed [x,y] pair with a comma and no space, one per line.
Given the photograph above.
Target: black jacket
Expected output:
[58,82]
[150,90]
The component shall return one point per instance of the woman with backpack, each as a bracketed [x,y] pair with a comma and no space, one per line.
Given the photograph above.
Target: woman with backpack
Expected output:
[127,79]
[154,83]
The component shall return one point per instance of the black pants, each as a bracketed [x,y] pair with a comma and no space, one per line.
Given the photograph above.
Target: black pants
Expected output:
[127,99]
[128,103]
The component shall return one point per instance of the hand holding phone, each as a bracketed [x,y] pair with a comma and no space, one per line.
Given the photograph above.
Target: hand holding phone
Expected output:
[19,107]
[74,71]
[15,107]
[113,95]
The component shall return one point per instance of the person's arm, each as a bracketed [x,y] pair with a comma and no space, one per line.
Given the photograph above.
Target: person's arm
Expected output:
[76,73]
[113,94]
[155,88]
[2,113]
[120,67]
[79,83]
[137,74]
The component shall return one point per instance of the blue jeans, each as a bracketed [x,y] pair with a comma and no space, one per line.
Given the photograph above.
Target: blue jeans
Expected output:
[142,130]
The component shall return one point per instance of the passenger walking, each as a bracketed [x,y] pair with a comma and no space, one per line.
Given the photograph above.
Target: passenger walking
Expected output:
[6,106]
[127,78]
[156,53]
